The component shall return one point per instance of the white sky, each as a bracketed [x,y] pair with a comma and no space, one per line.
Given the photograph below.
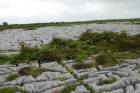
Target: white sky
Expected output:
[39,11]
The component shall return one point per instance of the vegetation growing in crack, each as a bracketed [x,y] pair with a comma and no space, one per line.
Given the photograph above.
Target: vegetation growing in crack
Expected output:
[83,65]
[89,88]
[107,81]
[68,88]
[136,67]
[11,90]
[33,71]
[11,77]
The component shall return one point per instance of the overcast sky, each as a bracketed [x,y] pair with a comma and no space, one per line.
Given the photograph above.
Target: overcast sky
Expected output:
[40,11]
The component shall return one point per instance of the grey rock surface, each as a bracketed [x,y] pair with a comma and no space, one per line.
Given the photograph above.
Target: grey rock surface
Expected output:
[10,38]
[128,80]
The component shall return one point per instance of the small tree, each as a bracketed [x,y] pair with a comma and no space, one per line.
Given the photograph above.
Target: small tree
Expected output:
[5,23]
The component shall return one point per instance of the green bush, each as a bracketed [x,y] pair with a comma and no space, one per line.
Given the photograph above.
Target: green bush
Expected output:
[29,53]
[86,36]
[3,59]
[16,59]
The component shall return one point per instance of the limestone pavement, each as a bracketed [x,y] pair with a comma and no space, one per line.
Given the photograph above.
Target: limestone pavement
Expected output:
[129,82]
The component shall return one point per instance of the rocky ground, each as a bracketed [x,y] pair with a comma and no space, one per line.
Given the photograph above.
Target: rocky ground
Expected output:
[10,39]
[129,82]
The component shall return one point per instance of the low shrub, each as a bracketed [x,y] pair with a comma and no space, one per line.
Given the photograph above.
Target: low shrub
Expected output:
[50,56]
[86,36]
[78,66]
[29,53]
[16,59]
[70,53]
[106,60]
[25,70]
[3,58]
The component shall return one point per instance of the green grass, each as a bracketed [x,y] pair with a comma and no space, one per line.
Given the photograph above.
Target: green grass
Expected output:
[136,67]
[2,62]
[33,71]
[126,55]
[107,81]
[11,90]
[33,26]
[11,77]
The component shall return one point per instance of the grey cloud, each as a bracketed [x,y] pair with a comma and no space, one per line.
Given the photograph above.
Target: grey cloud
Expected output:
[4,5]
[82,10]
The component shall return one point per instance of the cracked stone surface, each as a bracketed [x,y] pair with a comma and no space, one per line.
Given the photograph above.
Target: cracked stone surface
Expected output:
[129,82]
[10,38]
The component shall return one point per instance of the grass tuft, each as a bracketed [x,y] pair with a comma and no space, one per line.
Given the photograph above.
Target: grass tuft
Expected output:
[136,67]
[11,77]
[107,81]
[11,90]
[34,71]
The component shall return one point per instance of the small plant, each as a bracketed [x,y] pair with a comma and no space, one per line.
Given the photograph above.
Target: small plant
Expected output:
[88,88]
[11,90]
[107,81]
[117,74]
[61,78]
[107,90]
[11,77]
